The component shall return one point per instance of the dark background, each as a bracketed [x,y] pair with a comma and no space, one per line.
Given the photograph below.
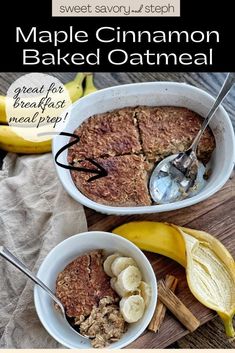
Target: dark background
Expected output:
[195,15]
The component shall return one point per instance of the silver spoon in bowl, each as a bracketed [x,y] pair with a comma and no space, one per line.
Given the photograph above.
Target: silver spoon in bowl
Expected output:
[181,175]
[7,255]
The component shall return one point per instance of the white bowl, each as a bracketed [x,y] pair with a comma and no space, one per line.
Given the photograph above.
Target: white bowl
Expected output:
[153,94]
[61,256]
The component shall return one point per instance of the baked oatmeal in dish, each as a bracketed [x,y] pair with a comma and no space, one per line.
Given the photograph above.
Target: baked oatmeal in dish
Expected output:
[128,143]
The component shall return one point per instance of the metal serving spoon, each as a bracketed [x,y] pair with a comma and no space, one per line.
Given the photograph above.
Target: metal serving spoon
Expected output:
[6,254]
[181,175]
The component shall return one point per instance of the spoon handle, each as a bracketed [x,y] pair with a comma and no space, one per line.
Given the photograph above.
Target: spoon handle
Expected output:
[6,254]
[228,83]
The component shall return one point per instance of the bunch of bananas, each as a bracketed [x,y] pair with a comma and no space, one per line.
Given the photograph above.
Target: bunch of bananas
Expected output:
[11,142]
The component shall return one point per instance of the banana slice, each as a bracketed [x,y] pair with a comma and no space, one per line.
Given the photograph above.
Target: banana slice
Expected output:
[145,292]
[108,262]
[129,279]
[119,290]
[113,282]
[132,308]
[120,263]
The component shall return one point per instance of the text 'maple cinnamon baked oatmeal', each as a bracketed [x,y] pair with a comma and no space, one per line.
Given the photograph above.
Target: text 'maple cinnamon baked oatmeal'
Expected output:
[128,143]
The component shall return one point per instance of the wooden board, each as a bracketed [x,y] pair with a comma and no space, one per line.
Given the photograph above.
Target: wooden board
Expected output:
[215,216]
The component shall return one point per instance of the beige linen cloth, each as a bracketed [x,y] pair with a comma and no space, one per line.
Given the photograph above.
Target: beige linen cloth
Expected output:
[35,215]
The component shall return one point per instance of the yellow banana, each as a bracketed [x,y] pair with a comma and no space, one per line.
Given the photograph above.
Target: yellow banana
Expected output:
[210,269]
[3,117]
[218,293]
[75,88]
[89,85]
[11,142]
[155,237]
[80,77]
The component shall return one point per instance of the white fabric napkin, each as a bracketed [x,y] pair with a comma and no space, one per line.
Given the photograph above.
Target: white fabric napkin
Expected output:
[35,215]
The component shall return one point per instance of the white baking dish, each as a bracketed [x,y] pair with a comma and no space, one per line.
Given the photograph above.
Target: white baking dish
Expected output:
[153,94]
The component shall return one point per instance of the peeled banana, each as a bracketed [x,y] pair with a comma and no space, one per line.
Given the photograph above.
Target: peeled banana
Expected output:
[132,308]
[11,142]
[210,274]
[210,269]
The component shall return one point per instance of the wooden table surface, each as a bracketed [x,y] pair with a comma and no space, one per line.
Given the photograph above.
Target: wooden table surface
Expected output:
[216,215]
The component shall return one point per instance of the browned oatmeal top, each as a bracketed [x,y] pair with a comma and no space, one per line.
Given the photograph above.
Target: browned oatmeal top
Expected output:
[126,143]
[168,130]
[125,185]
[83,283]
[107,134]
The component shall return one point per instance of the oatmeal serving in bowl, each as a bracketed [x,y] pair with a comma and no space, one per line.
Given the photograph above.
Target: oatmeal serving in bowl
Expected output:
[110,302]
[91,304]
[98,306]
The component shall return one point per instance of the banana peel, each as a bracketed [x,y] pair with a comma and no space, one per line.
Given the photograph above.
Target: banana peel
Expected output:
[210,268]
[214,269]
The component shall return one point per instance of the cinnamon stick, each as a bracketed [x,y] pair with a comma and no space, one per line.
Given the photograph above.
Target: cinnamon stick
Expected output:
[175,305]
[160,311]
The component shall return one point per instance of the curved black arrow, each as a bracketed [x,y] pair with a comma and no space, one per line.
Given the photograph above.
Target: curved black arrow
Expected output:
[100,172]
